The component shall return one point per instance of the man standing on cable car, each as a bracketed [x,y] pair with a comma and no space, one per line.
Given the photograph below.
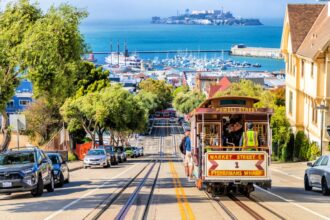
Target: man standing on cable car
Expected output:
[188,160]
[249,139]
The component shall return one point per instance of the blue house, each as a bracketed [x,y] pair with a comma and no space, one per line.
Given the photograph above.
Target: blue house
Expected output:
[22,98]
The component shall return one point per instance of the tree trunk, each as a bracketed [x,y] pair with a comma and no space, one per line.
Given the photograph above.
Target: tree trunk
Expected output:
[5,132]
[100,135]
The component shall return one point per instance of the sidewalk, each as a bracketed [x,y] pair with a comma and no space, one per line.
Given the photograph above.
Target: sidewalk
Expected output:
[75,165]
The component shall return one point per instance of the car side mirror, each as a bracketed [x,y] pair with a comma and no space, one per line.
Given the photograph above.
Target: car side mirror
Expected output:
[310,164]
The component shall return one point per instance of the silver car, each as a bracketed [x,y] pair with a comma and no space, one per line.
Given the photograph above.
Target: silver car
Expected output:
[318,175]
[97,158]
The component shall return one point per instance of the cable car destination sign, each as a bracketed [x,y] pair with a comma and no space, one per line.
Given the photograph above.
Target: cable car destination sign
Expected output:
[236,164]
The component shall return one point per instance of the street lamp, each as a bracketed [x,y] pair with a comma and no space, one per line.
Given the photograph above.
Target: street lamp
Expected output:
[323,108]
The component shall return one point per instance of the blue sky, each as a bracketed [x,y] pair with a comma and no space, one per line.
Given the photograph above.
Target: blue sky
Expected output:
[144,9]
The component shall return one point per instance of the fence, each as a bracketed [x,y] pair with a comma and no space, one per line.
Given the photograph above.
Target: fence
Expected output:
[59,142]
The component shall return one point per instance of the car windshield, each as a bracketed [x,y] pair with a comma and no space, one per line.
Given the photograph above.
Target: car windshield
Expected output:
[128,148]
[18,158]
[118,150]
[109,151]
[95,152]
[54,159]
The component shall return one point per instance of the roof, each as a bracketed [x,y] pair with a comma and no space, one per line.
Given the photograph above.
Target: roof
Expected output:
[301,19]
[223,84]
[318,37]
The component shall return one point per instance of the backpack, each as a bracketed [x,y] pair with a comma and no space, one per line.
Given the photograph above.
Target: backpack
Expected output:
[182,145]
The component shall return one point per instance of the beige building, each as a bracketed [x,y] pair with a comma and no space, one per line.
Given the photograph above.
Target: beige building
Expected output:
[305,48]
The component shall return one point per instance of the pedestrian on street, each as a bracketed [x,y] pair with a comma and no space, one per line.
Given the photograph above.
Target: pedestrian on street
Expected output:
[188,160]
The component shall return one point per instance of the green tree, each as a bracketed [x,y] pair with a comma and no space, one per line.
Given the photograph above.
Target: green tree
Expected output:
[112,108]
[250,89]
[91,79]
[159,88]
[125,114]
[15,21]
[51,52]
[180,89]
[185,102]
[148,101]
[281,132]
[85,112]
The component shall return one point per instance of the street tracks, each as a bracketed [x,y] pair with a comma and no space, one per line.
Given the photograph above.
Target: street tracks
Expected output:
[133,198]
[242,207]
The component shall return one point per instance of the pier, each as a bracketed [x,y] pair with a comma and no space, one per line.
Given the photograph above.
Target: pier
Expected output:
[242,50]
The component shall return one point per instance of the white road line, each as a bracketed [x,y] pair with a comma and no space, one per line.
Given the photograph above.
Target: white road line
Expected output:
[292,203]
[287,174]
[87,194]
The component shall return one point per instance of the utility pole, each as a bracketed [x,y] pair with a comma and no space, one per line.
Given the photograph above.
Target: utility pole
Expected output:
[322,109]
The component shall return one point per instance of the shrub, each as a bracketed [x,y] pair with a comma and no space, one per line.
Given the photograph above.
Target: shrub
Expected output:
[298,143]
[287,149]
[72,156]
[314,151]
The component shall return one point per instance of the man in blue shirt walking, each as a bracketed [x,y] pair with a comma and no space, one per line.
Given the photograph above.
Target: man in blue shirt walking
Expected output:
[188,160]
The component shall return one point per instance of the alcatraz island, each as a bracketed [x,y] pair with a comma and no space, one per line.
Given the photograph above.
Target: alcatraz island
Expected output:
[206,17]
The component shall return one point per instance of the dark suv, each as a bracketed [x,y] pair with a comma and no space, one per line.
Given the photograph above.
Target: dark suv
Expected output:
[27,169]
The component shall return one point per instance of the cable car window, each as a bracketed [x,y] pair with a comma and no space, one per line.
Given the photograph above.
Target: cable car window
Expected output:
[232,102]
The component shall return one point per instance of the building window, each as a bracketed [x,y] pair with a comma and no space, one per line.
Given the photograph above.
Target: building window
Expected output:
[24,102]
[10,104]
[302,68]
[312,70]
[314,115]
[290,102]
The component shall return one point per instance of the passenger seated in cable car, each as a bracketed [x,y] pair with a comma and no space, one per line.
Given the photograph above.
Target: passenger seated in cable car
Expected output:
[233,132]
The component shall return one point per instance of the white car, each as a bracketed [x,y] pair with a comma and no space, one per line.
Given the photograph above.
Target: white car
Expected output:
[96,158]
[318,175]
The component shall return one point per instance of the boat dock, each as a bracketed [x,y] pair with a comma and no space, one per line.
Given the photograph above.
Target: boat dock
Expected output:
[242,50]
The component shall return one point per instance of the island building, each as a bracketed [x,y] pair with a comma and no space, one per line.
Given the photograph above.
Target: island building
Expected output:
[305,48]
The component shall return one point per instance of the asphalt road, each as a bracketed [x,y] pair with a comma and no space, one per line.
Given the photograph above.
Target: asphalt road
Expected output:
[90,187]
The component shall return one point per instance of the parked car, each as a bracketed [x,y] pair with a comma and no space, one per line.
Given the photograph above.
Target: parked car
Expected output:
[111,154]
[136,151]
[318,175]
[96,158]
[27,169]
[122,157]
[131,152]
[140,151]
[61,169]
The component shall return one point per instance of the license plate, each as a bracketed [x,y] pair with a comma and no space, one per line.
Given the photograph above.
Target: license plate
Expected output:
[7,184]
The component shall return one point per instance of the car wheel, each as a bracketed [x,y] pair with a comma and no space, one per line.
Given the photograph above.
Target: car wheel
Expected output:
[325,189]
[51,186]
[60,184]
[68,179]
[85,167]
[306,183]
[39,189]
